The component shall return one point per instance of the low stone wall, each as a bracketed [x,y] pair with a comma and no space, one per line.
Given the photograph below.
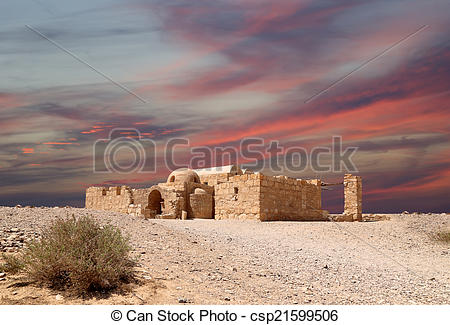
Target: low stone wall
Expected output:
[116,198]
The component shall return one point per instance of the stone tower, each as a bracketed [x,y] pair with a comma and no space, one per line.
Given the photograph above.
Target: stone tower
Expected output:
[353,197]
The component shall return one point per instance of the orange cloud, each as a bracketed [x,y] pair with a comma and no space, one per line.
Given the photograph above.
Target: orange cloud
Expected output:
[28,150]
[61,143]
[92,131]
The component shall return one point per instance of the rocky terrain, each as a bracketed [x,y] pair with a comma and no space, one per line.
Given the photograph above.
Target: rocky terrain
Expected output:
[392,261]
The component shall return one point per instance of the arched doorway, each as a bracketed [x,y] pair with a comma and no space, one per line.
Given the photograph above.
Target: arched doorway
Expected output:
[155,202]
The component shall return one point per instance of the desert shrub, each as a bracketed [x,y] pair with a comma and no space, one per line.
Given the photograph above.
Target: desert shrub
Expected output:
[442,236]
[12,264]
[79,255]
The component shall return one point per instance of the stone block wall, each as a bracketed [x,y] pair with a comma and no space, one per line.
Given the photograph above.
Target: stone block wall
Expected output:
[353,197]
[200,205]
[268,198]
[313,194]
[238,198]
[214,179]
[281,198]
[140,196]
[284,198]
[139,202]
[116,198]
[174,196]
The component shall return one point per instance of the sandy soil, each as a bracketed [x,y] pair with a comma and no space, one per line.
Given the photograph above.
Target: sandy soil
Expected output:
[245,262]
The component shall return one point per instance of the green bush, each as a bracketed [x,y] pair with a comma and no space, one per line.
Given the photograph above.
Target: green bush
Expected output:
[79,255]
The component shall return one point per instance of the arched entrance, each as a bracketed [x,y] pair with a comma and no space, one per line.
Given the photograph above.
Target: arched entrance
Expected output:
[155,202]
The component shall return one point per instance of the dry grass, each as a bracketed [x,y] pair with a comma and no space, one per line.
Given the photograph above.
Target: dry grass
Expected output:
[442,236]
[77,255]
[12,264]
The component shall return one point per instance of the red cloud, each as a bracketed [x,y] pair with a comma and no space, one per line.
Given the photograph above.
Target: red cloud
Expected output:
[59,143]
[28,150]
[9,100]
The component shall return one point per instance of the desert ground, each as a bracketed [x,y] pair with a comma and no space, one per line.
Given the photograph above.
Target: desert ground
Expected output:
[393,261]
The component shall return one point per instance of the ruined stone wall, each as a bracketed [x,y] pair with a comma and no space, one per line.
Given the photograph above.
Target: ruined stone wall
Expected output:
[281,198]
[174,195]
[214,179]
[139,202]
[121,199]
[140,196]
[353,197]
[116,198]
[284,198]
[313,194]
[238,198]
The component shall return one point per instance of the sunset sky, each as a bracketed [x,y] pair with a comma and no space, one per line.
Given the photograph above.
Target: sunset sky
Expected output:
[216,72]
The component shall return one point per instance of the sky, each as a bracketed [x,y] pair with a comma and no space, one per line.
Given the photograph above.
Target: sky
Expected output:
[217,72]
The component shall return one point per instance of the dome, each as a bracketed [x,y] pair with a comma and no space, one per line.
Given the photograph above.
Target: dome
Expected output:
[183,175]
[199,191]
[230,169]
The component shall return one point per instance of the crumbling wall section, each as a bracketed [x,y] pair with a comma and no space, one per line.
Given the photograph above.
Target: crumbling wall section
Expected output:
[199,201]
[140,201]
[313,194]
[174,195]
[353,197]
[140,196]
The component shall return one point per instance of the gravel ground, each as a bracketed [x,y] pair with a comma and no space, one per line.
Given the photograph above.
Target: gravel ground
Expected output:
[245,262]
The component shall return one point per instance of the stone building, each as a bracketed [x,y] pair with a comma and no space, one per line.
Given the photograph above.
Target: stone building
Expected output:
[226,192]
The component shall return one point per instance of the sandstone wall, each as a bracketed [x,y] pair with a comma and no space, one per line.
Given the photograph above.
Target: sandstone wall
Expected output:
[140,196]
[313,194]
[284,198]
[116,198]
[238,198]
[201,205]
[177,197]
[268,198]
[139,201]
[214,179]
[174,196]
[353,197]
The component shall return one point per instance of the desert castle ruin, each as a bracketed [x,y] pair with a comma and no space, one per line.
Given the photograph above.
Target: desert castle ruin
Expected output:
[227,192]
